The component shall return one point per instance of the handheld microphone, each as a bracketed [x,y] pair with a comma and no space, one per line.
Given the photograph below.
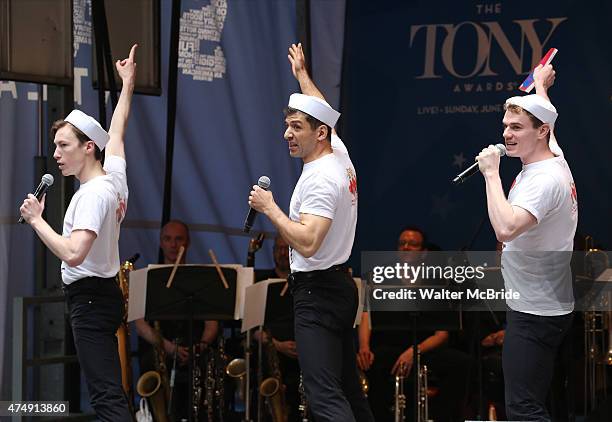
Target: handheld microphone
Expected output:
[45,182]
[465,174]
[264,183]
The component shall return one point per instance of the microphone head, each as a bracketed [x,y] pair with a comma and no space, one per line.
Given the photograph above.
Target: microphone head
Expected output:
[502,149]
[47,179]
[264,182]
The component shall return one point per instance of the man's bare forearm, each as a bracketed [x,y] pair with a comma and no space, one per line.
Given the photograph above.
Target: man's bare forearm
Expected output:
[295,233]
[62,247]
[307,86]
[122,112]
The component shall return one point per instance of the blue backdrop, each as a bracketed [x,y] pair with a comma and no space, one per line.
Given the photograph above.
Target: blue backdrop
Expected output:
[233,83]
[423,87]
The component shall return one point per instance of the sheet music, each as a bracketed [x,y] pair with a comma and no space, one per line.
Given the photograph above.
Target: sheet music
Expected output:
[138,294]
[255,305]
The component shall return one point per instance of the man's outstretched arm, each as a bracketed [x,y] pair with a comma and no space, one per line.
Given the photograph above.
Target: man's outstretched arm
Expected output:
[127,71]
[298,67]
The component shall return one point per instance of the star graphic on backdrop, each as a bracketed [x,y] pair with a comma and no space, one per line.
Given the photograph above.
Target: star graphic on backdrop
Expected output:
[442,205]
[458,160]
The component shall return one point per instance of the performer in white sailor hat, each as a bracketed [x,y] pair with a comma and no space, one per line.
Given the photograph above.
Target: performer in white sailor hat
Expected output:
[536,224]
[88,246]
[320,230]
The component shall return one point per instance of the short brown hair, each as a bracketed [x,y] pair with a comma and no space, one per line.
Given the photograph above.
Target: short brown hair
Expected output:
[58,124]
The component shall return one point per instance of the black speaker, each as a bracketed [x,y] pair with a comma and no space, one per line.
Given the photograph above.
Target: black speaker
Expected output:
[36,41]
[133,22]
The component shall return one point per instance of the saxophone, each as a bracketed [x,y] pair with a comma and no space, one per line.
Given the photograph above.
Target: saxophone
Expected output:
[272,388]
[236,370]
[154,385]
[123,332]
[160,361]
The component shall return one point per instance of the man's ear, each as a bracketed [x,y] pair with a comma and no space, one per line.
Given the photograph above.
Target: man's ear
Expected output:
[543,131]
[322,133]
[90,147]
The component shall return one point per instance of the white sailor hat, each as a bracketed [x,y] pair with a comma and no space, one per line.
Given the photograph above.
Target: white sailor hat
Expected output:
[538,106]
[89,126]
[315,107]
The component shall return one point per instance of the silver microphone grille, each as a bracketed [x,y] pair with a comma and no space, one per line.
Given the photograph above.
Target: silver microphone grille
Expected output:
[502,149]
[47,179]
[264,182]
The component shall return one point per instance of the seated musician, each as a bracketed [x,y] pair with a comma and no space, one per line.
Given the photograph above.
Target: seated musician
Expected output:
[384,354]
[174,334]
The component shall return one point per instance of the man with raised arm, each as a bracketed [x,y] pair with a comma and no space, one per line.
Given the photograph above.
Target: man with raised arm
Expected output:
[320,230]
[89,244]
[536,224]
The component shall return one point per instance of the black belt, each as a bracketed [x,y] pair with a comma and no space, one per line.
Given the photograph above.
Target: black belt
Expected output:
[299,276]
[91,283]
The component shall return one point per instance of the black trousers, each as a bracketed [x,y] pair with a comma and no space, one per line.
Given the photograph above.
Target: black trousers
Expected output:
[325,304]
[530,348]
[96,309]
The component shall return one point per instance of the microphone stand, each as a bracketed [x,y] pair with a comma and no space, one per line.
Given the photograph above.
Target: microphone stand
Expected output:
[476,333]
[247,393]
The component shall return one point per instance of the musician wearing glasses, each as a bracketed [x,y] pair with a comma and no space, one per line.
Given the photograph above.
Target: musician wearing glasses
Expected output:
[386,354]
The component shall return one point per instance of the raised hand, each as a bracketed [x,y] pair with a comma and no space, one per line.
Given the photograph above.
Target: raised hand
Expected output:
[127,67]
[297,60]
[544,76]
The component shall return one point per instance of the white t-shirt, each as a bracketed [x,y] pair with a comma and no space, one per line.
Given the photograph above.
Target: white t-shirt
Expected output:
[536,263]
[328,188]
[99,205]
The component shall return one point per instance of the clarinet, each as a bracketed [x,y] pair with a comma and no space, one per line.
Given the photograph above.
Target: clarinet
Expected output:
[173,375]
[303,403]
[220,375]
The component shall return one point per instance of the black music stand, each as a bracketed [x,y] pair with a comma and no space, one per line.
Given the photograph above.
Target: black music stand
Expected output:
[279,309]
[196,293]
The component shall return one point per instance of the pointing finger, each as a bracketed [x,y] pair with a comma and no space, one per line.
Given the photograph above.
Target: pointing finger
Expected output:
[133,52]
